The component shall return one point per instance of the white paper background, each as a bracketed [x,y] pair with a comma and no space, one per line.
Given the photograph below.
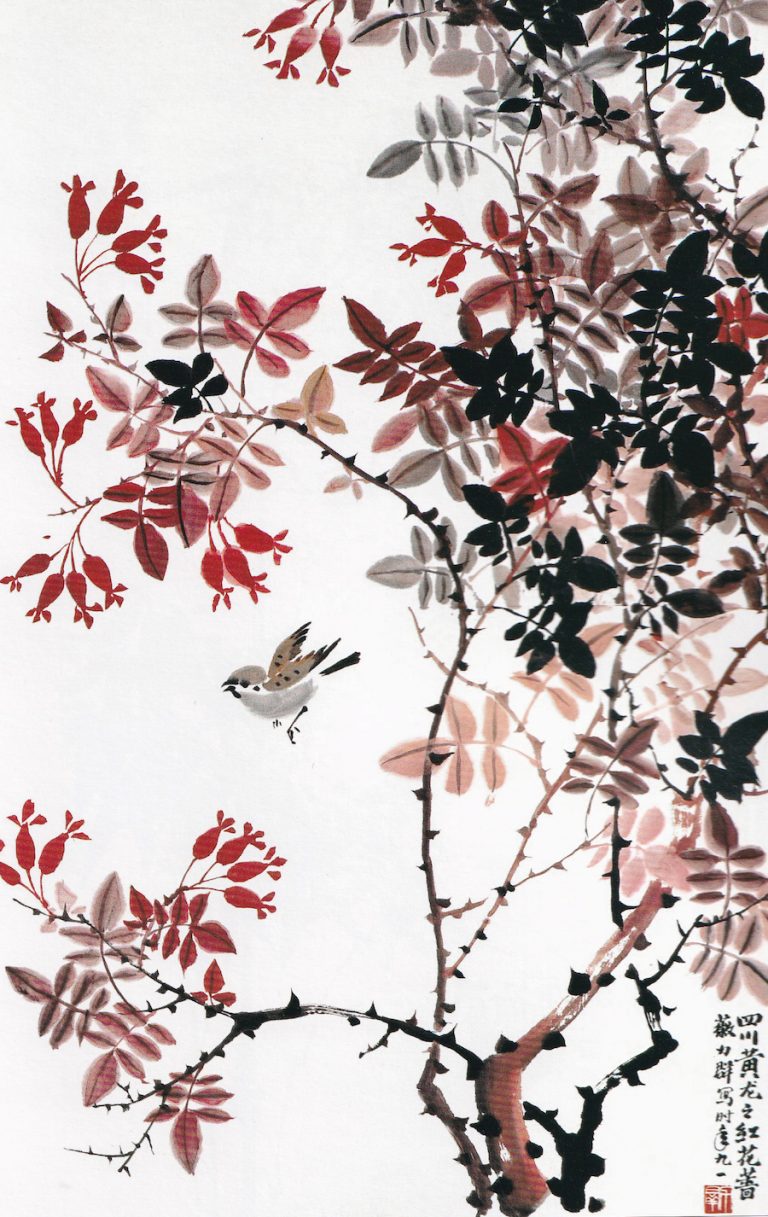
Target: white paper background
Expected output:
[126,725]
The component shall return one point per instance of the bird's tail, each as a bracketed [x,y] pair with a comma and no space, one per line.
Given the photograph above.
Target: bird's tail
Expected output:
[342,663]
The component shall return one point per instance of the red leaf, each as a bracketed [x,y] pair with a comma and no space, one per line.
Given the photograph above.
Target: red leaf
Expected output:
[197,907]
[211,936]
[364,325]
[495,221]
[213,1115]
[55,353]
[122,519]
[123,492]
[431,247]
[296,308]
[140,906]
[213,979]
[57,319]
[151,550]
[188,952]
[186,1140]
[100,1078]
[170,942]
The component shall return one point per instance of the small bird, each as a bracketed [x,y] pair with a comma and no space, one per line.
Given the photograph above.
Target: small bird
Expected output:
[288,684]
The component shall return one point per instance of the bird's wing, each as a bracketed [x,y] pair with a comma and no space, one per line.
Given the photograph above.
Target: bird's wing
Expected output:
[287,651]
[289,666]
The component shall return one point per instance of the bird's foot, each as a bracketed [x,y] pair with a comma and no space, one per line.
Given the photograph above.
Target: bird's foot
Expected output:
[293,729]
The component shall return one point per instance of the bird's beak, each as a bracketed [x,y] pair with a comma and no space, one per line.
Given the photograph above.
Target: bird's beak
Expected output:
[229,687]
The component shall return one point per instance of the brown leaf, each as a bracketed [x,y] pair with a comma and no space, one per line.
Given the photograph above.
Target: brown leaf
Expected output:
[633,208]
[461,772]
[203,281]
[407,759]
[108,903]
[365,325]
[494,770]
[224,493]
[598,266]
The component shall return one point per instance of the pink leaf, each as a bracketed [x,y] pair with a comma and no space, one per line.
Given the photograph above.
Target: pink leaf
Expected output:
[108,390]
[30,984]
[186,1140]
[271,365]
[296,308]
[100,1078]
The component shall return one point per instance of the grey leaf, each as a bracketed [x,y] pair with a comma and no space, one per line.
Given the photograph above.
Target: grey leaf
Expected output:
[455,165]
[429,37]
[178,312]
[442,588]
[449,118]
[432,165]
[409,43]
[396,159]
[216,337]
[180,338]
[415,468]
[469,458]
[455,62]
[420,545]
[425,123]
[425,591]
[453,477]
[398,571]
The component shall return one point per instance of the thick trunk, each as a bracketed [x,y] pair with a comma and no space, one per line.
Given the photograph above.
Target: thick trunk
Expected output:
[499,1086]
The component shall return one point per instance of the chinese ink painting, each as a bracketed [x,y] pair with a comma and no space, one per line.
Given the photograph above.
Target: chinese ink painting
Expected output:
[384,592]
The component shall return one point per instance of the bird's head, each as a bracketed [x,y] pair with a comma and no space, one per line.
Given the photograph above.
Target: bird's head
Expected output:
[244,680]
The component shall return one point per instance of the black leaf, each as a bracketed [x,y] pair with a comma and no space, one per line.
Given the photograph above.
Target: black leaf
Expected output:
[592,574]
[573,468]
[664,504]
[215,386]
[695,603]
[171,372]
[693,457]
[743,735]
[485,502]
[468,365]
[577,656]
